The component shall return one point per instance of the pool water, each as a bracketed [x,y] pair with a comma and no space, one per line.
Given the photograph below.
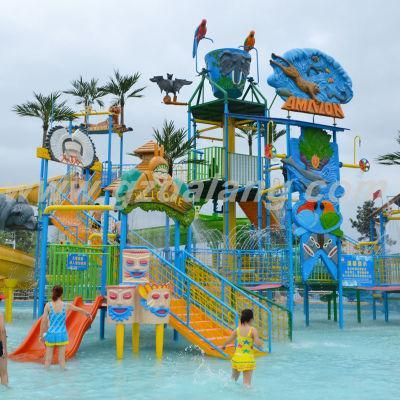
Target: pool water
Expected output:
[322,362]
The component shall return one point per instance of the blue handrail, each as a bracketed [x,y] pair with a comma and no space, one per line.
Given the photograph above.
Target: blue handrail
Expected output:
[196,284]
[243,293]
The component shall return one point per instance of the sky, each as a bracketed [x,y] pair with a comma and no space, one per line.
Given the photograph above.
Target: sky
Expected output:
[47,44]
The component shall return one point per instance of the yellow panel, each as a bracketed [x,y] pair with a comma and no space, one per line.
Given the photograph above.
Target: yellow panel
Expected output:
[42,152]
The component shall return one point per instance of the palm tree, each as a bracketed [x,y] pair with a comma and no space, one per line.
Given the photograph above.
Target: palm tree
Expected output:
[47,108]
[87,93]
[119,86]
[176,144]
[391,158]
[249,132]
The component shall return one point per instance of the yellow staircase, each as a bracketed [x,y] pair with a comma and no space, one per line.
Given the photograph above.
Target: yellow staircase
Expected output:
[202,326]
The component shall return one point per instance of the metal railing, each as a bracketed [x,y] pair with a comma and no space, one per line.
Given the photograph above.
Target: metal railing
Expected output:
[243,167]
[248,267]
[229,293]
[194,296]
[116,171]
[387,269]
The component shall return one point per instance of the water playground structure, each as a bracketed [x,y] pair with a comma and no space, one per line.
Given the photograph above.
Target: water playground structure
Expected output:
[294,241]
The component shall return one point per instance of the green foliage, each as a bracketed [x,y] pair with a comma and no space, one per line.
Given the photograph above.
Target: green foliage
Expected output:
[45,108]
[176,144]
[122,88]
[316,142]
[362,221]
[87,92]
[24,240]
[391,158]
[184,218]
[249,132]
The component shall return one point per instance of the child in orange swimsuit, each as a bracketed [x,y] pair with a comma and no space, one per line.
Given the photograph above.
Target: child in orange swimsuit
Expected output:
[243,359]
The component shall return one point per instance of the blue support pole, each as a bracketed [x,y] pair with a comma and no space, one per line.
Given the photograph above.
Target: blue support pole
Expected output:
[373,307]
[105,228]
[259,179]
[340,287]
[382,232]
[167,234]
[289,233]
[43,263]
[38,235]
[267,181]
[189,240]
[122,242]
[191,153]
[195,148]
[121,153]
[177,244]
[226,174]
[385,297]
[339,253]
[178,264]
[306,305]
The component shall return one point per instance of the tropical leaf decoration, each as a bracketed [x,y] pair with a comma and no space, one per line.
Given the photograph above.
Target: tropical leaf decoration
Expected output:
[124,191]
[315,148]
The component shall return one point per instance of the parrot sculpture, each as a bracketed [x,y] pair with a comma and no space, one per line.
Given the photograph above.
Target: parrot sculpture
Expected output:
[250,41]
[306,217]
[200,33]
[330,218]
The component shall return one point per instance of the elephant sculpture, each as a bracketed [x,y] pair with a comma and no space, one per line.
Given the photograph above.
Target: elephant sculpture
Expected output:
[16,214]
[237,64]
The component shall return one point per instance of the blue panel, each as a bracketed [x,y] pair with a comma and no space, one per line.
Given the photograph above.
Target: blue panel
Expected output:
[357,270]
[77,262]
[310,74]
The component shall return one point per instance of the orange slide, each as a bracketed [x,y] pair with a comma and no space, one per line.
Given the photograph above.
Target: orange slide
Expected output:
[32,350]
[250,208]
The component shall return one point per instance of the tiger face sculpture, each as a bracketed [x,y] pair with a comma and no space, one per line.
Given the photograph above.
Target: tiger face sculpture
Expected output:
[153,303]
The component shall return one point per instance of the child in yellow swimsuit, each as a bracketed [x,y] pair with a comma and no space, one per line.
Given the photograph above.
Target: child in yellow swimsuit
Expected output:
[243,359]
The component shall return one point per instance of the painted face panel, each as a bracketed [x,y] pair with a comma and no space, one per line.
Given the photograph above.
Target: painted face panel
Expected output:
[120,304]
[154,303]
[161,176]
[136,266]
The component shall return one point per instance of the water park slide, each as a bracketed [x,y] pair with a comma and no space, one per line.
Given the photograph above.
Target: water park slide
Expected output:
[29,192]
[18,265]
[32,350]
[203,325]
[250,208]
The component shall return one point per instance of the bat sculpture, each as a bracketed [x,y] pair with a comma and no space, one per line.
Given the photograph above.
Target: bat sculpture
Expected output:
[170,85]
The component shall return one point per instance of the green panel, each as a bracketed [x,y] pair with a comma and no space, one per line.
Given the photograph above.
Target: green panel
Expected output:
[214,110]
[81,283]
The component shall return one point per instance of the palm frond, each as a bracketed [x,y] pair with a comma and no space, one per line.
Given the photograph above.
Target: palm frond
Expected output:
[175,142]
[45,107]
[389,159]
[119,85]
[87,92]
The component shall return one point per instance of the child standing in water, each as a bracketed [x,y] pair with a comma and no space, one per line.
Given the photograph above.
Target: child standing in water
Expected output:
[54,320]
[3,351]
[243,359]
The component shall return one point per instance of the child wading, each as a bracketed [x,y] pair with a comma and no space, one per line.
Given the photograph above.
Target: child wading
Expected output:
[54,317]
[3,351]
[243,359]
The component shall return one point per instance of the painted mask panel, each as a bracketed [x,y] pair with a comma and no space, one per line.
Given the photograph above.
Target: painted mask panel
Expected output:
[135,266]
[120,304]
[153,303]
